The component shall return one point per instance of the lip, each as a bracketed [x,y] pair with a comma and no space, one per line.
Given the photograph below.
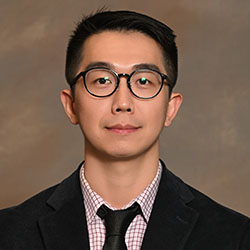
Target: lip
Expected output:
[123,129]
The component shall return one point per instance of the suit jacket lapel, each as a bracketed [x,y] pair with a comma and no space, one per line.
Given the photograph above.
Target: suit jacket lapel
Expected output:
[171,220]
[66,227]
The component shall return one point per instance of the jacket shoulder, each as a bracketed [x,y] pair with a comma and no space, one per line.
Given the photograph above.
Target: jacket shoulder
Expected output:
[31,207]
[20,226]
[207,206]
[20,222]
[204,205]
[219,222]
[216,226]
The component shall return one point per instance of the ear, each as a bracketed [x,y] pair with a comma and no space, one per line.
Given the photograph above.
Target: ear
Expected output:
[174,104]
[68,103]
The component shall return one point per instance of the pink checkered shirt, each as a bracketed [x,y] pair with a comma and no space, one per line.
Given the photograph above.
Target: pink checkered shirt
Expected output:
[135,233]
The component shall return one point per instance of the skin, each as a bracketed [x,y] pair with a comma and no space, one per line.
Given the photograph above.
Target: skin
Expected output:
[120,163]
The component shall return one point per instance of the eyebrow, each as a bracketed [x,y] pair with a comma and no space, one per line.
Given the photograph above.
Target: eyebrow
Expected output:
[111,66]
[99,64]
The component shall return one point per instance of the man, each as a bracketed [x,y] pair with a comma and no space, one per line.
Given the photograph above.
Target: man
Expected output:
[121,67]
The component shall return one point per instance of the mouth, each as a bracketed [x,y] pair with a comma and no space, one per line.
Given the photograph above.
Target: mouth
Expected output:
[123,129]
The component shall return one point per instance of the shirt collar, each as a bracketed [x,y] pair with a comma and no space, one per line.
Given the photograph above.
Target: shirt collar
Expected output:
[147,197]
[92,201]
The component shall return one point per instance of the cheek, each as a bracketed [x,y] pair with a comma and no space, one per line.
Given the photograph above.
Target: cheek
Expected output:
[90,114]
[156,115]
[83,113]
[159,119]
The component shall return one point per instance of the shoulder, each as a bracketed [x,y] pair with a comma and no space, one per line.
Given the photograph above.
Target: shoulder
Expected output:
[20,222]
[197,200]
[40,204]
[221,223]
[21,226]
[31,207]
[216,224]
[215,212]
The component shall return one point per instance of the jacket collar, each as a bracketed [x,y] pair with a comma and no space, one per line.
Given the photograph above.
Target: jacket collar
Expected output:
[170,223]
[172,220]
[66,227]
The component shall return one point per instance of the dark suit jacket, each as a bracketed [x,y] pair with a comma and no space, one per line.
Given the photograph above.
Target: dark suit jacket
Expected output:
[182,219]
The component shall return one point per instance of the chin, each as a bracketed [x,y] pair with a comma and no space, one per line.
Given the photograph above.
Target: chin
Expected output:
[119,155]
[121,151]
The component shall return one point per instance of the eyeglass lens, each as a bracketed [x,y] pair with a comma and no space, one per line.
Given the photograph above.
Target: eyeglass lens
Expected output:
[143,83]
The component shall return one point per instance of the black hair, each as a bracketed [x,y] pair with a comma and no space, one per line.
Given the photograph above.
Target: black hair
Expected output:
[121,21]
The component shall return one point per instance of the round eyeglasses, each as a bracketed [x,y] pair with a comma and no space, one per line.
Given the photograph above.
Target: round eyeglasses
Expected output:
[103,82]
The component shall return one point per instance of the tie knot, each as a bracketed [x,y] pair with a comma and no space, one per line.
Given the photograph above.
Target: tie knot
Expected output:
[118,221]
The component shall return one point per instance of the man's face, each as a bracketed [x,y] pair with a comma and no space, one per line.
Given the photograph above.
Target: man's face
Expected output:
[120,126]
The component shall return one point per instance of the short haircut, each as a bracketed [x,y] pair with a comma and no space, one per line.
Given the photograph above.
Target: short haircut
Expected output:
[121,21]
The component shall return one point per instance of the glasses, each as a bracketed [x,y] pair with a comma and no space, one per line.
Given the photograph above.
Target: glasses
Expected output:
[142,83]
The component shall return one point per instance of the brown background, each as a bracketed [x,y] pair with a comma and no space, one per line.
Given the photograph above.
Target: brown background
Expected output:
[208,144]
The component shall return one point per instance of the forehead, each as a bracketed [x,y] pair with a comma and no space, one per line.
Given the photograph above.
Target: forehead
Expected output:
[123,49]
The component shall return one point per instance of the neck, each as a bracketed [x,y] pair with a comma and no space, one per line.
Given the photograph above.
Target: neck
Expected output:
[117,180]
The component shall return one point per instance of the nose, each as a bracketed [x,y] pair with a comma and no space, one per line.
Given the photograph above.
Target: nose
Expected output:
[122,99]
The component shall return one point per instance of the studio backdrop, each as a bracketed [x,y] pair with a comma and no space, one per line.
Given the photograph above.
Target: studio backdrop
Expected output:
[208,145]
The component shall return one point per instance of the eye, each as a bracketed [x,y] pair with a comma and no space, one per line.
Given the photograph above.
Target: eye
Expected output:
[103,80]
[143,81]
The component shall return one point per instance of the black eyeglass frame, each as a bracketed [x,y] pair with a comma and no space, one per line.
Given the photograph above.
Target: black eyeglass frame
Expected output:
[83,75]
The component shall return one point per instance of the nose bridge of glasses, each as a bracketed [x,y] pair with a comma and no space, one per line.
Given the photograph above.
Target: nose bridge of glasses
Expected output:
[127,78]
[124,75]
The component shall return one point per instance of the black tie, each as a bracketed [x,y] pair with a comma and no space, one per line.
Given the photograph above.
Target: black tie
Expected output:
[116,223]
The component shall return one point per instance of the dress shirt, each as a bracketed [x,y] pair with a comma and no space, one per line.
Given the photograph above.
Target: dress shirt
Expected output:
[135,233]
